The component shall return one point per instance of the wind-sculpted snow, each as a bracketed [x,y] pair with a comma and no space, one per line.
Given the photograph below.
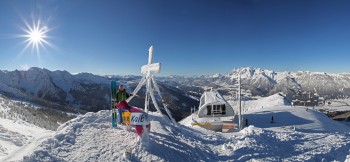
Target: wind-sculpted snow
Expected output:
[287,145]
[18,138]
[90,137]
[12,137]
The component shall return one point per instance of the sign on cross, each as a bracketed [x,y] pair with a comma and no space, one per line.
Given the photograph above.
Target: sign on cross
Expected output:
[150,67]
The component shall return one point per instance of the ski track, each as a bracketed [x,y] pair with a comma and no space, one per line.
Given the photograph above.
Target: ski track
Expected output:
[25,149]
[19,138]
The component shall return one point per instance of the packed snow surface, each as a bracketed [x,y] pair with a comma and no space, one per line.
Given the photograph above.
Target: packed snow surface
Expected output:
[337,105]
[18,138]
[298,134]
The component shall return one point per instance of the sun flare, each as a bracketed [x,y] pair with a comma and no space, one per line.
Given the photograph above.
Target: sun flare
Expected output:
[36,35]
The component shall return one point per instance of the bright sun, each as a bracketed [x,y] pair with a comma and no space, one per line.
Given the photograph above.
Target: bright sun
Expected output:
[36,35]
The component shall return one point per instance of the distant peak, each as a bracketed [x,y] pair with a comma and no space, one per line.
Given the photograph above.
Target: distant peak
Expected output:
[251,71]
[34,69]
[217,75]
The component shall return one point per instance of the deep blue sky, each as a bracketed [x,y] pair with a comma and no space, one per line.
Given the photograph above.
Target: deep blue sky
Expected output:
[190,37]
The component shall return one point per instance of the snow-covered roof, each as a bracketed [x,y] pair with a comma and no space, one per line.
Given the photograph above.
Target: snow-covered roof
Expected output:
[211,98]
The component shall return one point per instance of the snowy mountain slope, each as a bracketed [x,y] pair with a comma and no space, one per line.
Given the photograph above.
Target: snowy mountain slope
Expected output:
[299,118]
[91,92]
[18,138]
[57,86]
[297,135]
[23,126]
[35,81]
[277,99]
[83,91]
[304,119]
[44,117]
[301,85]
[337,105]
[294,83]
[9,91]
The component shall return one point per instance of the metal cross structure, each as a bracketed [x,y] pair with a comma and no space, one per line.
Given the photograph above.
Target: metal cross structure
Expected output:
[148,71]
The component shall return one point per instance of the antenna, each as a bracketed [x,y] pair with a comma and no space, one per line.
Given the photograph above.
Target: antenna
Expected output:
[148,71]
[240,103]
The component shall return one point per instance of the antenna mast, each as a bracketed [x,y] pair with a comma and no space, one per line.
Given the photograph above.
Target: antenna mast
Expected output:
[240,103]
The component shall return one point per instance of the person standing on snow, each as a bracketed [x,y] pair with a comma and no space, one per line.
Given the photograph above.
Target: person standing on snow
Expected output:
[122,95]
[122,105]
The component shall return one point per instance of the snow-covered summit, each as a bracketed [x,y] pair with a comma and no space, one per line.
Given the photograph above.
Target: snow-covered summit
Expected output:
[250,72]
[301,135]
[217,75]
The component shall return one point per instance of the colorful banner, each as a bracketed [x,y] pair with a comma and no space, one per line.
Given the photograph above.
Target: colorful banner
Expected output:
[139,119]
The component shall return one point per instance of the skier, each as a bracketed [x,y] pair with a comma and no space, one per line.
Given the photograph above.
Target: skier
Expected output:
[122,95]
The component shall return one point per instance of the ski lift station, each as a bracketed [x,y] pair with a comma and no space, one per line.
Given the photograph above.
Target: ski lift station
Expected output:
[214,113]
[212,104]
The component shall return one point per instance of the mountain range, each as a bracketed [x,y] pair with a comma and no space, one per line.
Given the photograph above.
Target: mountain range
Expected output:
[88,92]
